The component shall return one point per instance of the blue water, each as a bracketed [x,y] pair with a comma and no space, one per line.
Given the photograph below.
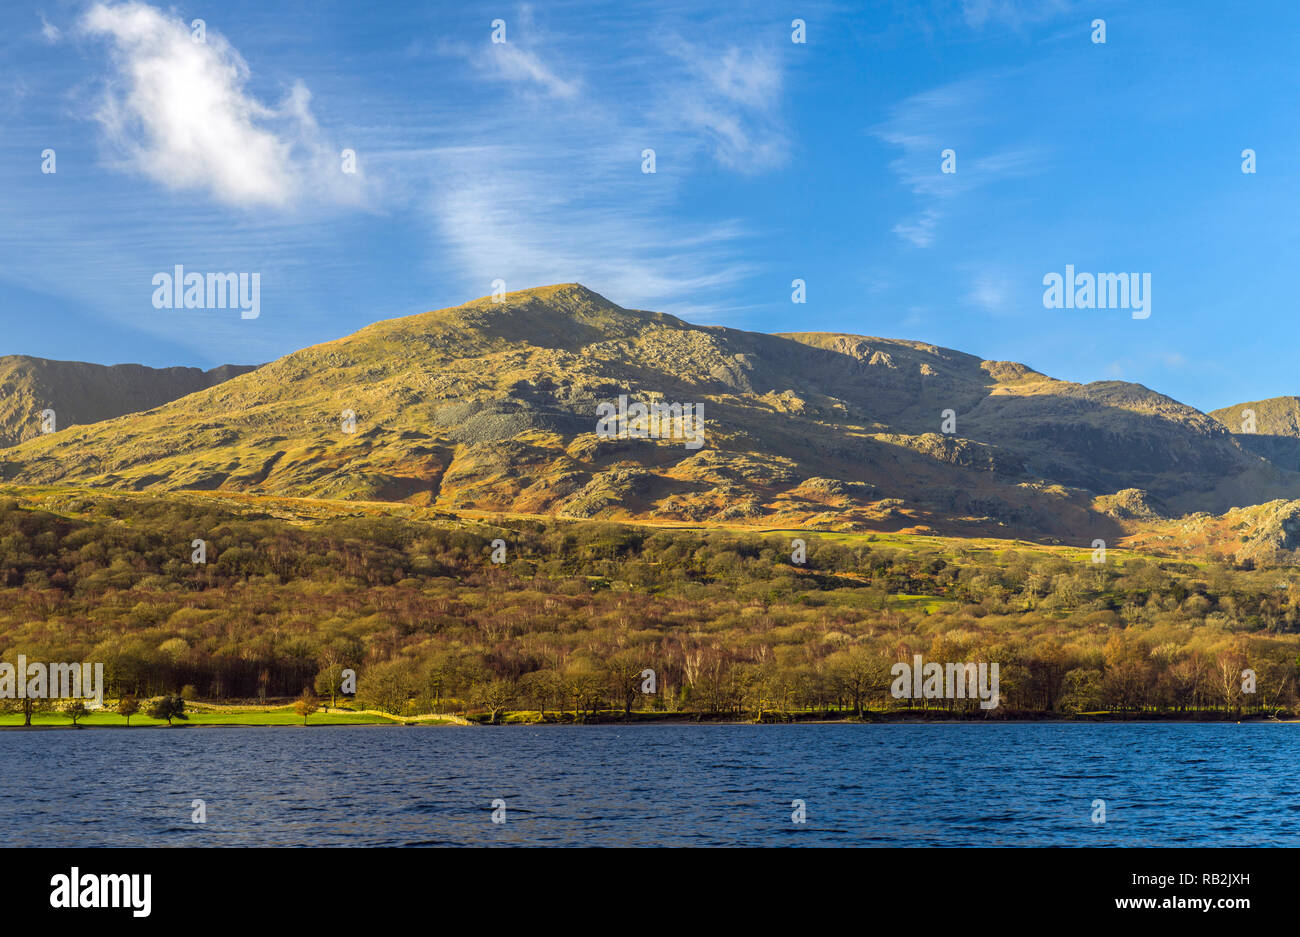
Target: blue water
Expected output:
[676,785]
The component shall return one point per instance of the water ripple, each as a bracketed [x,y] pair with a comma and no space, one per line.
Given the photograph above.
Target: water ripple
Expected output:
[892,785]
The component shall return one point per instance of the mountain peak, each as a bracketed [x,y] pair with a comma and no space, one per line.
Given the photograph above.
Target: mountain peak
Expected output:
[562,316]
[563,297]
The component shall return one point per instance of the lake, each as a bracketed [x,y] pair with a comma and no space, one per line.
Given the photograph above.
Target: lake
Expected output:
[671,785]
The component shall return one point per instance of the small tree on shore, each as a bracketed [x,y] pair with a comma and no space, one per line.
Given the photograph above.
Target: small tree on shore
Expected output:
[27,706]
[169,708]
[128,706]
[494,696]
[328,682]
[388,687]
[75,709]
[306,704]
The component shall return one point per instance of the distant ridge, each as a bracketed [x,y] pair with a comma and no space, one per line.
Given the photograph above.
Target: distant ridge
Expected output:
[1269,428]
[80,393]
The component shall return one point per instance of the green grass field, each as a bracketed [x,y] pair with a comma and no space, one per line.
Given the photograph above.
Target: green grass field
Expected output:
[232,716]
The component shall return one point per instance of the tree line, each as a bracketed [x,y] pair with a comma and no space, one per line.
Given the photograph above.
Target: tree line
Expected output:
[567,625]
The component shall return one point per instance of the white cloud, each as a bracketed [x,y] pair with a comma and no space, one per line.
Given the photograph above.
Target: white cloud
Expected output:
[176,110]
[49,31]
[921,230]
[734,99]
[513,63]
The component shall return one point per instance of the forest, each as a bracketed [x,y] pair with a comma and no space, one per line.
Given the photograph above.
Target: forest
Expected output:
[567,624]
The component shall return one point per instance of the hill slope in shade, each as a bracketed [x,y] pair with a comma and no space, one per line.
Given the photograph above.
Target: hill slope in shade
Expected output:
[81,393]
[493,407]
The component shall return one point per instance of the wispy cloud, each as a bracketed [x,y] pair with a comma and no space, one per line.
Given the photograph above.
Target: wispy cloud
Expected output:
[919,230]
[503,213]
[734,99]
[176,110]
[511,62]
[990,293]
[50,32]
[1144,363]
[518,60]
[560,208]
[1013,13]
[952,117]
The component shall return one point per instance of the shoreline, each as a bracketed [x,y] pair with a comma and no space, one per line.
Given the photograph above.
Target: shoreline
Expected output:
[360,720]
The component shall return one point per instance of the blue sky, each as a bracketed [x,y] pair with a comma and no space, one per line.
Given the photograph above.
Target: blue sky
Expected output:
[775,160]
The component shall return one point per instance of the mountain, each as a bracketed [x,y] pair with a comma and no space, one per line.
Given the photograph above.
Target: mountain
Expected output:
[494,406]
[1277,416]
[80,393]
[1269,428]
